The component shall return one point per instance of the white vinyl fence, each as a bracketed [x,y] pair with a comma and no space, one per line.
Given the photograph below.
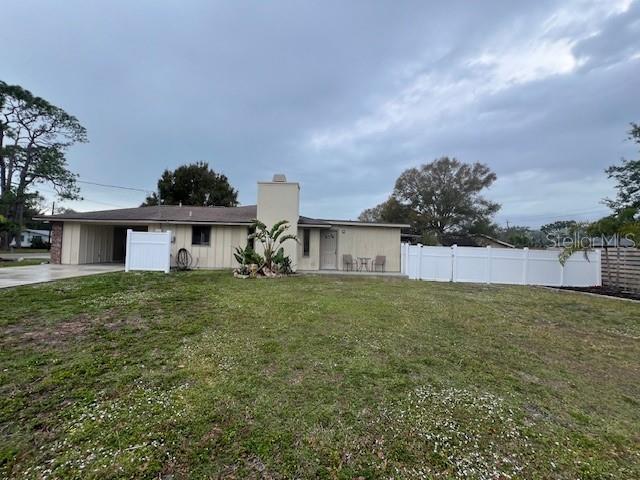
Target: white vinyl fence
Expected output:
[148,251]
[500,265]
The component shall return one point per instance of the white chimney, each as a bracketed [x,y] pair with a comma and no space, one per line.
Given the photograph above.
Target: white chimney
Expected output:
[280,200]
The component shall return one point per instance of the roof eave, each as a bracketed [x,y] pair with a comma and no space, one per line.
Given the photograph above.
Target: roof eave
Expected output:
[137,222]
[368,224]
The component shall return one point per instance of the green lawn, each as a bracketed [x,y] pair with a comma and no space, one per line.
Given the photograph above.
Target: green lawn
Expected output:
[23,263]
[25,250]
[200,375]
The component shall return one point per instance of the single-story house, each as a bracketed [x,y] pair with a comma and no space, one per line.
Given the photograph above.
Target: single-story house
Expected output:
[211,234]
[29,235]
[473,240]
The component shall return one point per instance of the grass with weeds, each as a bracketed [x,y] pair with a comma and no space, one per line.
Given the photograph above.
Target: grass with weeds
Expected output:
[200,375]
[23,263]
[25,250]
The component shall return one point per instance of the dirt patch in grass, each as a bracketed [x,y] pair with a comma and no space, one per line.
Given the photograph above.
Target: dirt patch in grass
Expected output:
[63,332]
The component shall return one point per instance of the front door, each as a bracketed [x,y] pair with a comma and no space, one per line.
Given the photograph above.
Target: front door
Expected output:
[328,250]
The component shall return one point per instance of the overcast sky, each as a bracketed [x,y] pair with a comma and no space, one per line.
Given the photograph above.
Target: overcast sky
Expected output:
[340,96]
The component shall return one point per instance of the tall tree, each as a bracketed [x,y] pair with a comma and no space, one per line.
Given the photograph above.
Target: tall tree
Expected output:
[34,138]
[627,176]
[194,184]
[444,195]
[559,228]
[389,211]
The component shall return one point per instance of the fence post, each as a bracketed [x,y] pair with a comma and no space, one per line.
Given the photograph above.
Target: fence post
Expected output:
[488,264]
[419,266]
[454,261]
[525,266]
[127,251]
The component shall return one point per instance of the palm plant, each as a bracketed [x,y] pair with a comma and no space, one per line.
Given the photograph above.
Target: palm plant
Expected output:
[579,242]
[271,239]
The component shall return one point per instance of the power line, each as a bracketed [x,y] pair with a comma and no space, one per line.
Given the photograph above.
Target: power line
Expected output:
[85,199]
[564,215]
[121,187]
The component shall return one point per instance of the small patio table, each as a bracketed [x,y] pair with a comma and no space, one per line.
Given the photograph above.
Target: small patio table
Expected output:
[364,263]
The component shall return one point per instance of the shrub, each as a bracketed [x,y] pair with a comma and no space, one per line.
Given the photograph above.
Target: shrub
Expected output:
[248,256]
[282,262]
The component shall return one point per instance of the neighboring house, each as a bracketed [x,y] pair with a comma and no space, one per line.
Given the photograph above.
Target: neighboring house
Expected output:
[473,240]
[211,234]
[28,235]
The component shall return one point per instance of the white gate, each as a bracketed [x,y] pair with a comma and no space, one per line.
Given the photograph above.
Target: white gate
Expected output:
[500,265]
[148,251]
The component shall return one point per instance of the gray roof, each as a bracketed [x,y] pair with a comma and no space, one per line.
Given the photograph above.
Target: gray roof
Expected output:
[165,213]
[188,214]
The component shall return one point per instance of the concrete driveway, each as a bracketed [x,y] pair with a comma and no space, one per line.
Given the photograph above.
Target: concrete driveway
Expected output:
[16,276]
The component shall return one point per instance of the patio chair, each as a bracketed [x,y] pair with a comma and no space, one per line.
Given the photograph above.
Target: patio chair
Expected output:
[348,263]
[379,261]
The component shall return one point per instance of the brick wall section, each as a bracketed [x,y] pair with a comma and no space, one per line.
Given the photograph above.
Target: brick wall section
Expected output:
[56,242]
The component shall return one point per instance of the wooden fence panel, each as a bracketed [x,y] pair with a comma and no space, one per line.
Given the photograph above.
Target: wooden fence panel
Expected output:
[621,268]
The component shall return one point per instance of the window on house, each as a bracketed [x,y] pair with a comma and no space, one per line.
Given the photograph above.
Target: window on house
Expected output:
[200,234]
[306,239]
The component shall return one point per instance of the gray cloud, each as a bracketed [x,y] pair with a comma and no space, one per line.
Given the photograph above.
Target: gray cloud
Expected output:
[617,40]
[340,96]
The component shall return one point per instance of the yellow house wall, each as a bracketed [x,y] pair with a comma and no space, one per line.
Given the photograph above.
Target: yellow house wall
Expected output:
[312,262]
[89,243]
[70,243]
[362,241]
[223,240]
[280,201]
[86,243]
[96,244]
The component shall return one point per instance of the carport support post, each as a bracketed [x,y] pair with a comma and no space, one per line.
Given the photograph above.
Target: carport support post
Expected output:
[127,250]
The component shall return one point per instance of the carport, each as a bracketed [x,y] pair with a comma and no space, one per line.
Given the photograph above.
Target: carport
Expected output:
[94,243]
